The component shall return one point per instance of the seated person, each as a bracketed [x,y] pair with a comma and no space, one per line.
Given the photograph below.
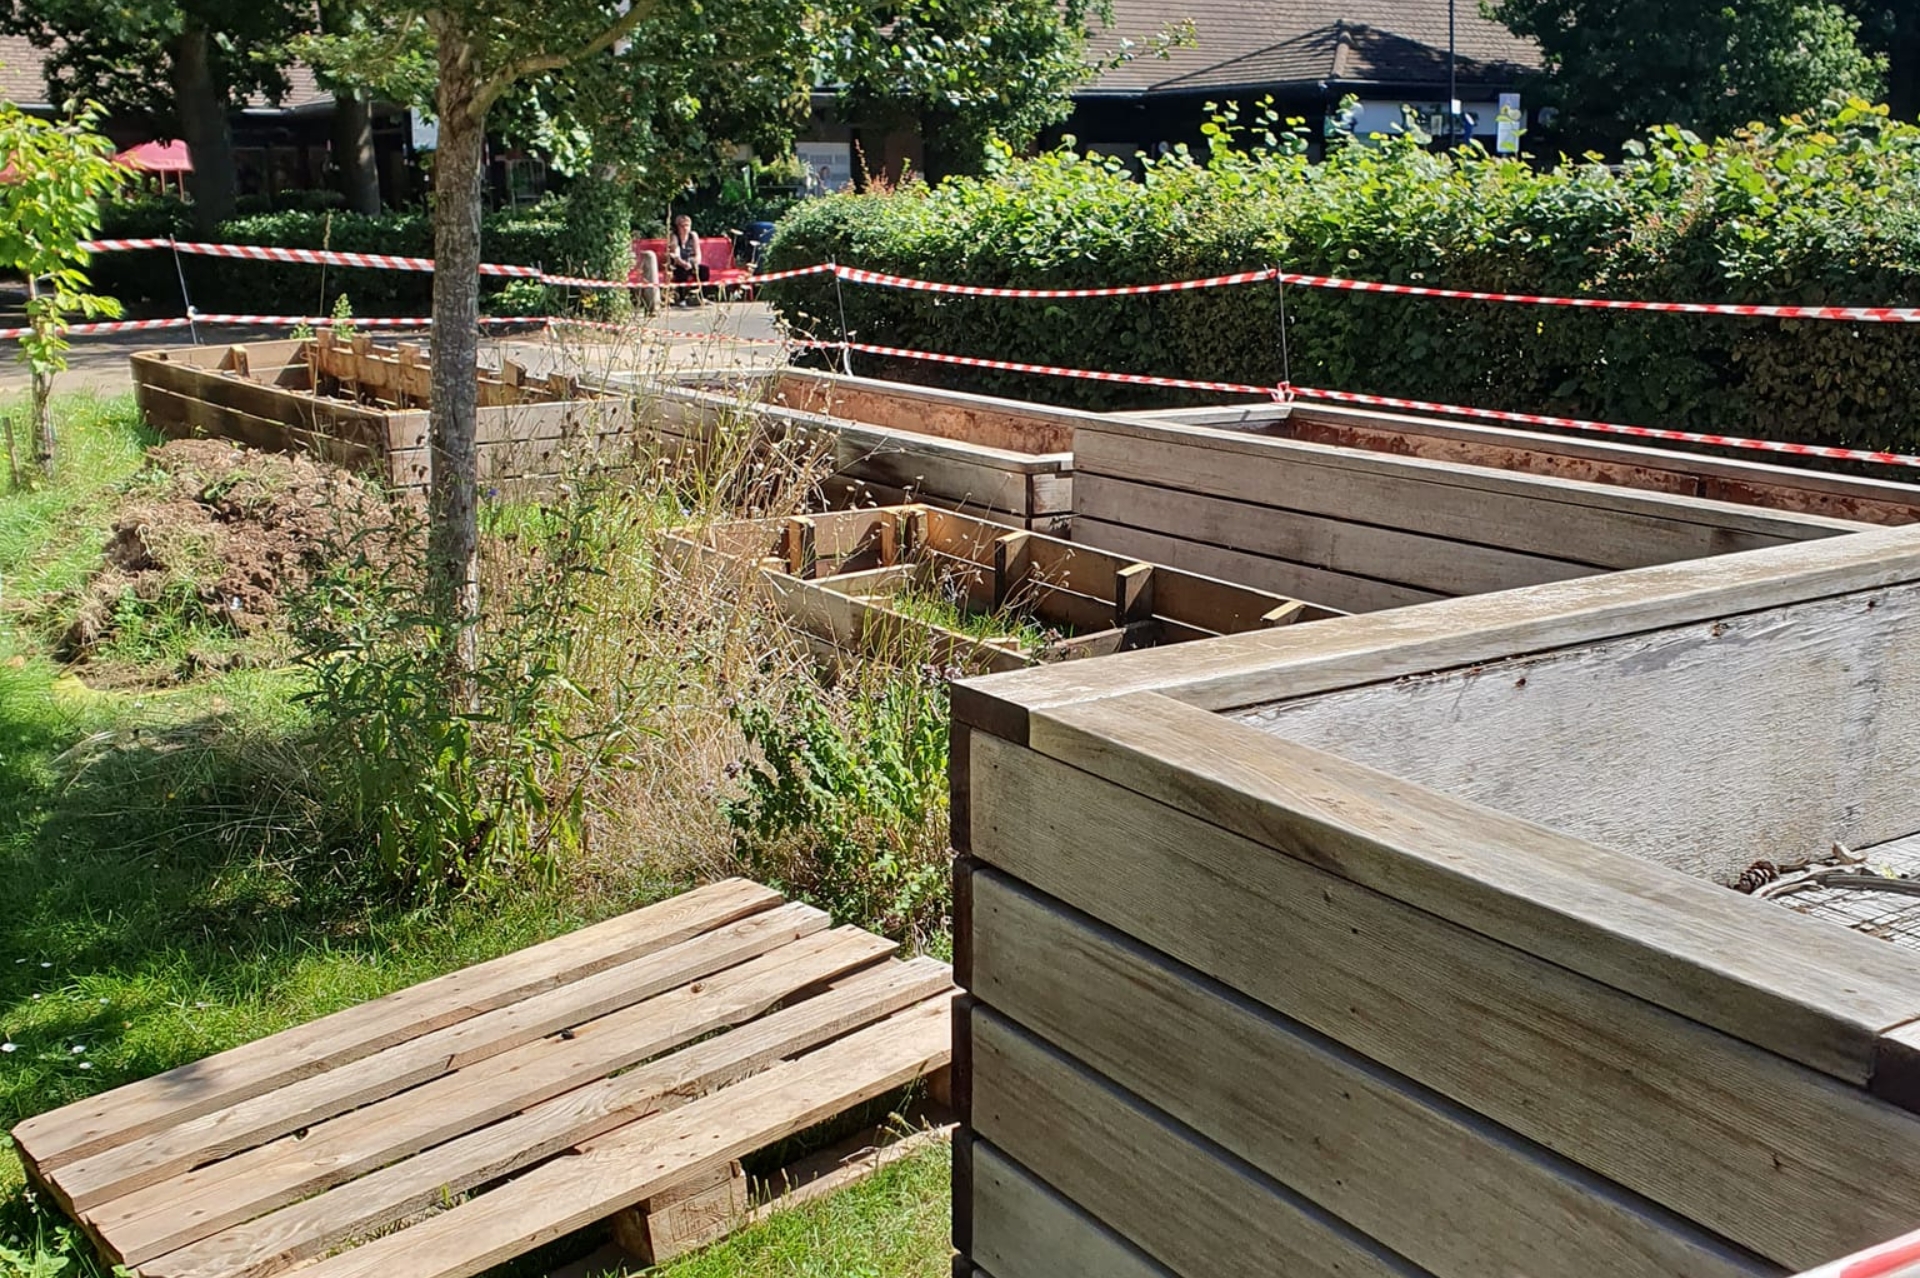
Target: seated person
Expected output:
[683,260]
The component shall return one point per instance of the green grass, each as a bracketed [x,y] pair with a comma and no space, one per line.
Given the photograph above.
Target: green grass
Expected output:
[893,1225]
[171,891]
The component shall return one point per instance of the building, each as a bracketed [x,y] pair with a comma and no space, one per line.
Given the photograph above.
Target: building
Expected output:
[1307,55]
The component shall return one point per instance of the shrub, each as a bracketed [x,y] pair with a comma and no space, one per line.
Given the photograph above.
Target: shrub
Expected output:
[148,280]
[846,806]
[1822,211]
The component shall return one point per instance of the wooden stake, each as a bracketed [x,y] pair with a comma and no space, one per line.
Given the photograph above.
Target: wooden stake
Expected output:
[1132,594]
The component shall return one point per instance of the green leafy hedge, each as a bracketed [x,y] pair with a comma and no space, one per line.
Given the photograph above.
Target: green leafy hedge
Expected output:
[146,281]
[1810,211]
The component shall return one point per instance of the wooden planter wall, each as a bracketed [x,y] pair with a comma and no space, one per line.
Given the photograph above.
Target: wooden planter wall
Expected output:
[367,406]
[1601,460]
[892,443]
[837,575]
[1362,531]
[1253,989]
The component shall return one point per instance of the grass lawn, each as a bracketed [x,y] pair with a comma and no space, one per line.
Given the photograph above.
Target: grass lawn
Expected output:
[163,902]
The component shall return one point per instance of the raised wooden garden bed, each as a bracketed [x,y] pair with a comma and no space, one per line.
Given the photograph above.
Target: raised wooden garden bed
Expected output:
[890,442]
[1363,530]
[460,1123]
[903,580]
[1413,944]
[1741,480]
[367,405]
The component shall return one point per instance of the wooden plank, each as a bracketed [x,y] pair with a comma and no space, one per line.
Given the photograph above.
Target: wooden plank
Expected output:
[1278,576]
[182,417]
[1124,1164]
[1425,1178]
[87,1127]
[1687,945]
[1702,747]
[844,1165]
[1595,460]
[1650,1100]
[316,1225]
[1133,594]
[964,482]
[1263,666]
[1358,544]
[1584,523]
[1011,566]
[632,1163]
[89,1182]
[684,1217]
[186,1208]
[1026,1230]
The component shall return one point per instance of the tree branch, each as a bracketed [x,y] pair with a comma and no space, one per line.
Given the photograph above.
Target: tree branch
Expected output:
[637,12]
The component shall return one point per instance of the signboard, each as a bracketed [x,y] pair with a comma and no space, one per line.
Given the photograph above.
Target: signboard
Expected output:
[425,134]
[828,164]
[1507,125]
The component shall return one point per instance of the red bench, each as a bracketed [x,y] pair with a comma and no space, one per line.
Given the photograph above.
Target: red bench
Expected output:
[716,254]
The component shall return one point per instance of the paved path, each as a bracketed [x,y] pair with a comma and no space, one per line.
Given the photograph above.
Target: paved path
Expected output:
[717,336]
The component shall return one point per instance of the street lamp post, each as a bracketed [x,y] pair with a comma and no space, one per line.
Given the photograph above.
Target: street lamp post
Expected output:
[1453,85]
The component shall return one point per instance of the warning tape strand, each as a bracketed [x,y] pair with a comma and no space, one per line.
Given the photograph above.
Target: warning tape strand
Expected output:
[882,279]
[1287,392]
[261,321]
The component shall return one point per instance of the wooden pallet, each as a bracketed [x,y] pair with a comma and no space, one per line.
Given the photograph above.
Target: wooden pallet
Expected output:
[379,1140]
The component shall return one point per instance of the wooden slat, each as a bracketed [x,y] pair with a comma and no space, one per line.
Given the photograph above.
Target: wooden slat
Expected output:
[1258,667]
[89,1182]
[1695,948]
[632,1163]
[1177,1197]
[188,1207]
[1026,1230]
[1363,544]
[127,1113]
[315,1225]
[1341,591]
[1654,1102]
[1584,523]
[1701,747]
[1425,1178]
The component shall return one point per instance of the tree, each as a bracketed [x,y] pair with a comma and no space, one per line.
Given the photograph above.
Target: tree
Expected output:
[57,174]
[1891,29]
[1614,67]
[183,64]
[623,62]
[970,70]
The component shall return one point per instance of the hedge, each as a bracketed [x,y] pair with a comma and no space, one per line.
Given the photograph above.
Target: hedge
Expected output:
[1812,210]
[146,281]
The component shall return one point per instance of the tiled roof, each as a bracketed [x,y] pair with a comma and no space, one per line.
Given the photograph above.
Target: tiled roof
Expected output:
[20,79]
[22,82]
[1241,44]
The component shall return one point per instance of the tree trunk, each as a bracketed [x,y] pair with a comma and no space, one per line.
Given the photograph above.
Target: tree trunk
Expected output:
[43,441]
[453,530]
[353,151]
[202,108]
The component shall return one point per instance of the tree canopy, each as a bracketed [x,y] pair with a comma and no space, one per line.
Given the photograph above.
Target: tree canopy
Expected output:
[1615,67]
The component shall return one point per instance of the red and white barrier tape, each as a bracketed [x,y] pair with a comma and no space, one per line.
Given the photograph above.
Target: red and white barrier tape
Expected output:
[1288,392]
[1899,1256]
[855,276]
[261,321]
[103,326]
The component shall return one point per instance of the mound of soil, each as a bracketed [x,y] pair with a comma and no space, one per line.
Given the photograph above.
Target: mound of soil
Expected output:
[224,535]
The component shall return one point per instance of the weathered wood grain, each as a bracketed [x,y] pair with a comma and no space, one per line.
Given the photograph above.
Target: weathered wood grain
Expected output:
[1028,1231]
[1192,1206]
[1422,1176]
[1694,948]
[312,1226]
[1363,544]
[1661,1105]
[630,1164]
[126,1113]
[1256,668]
[1702,747]
[86,1183]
